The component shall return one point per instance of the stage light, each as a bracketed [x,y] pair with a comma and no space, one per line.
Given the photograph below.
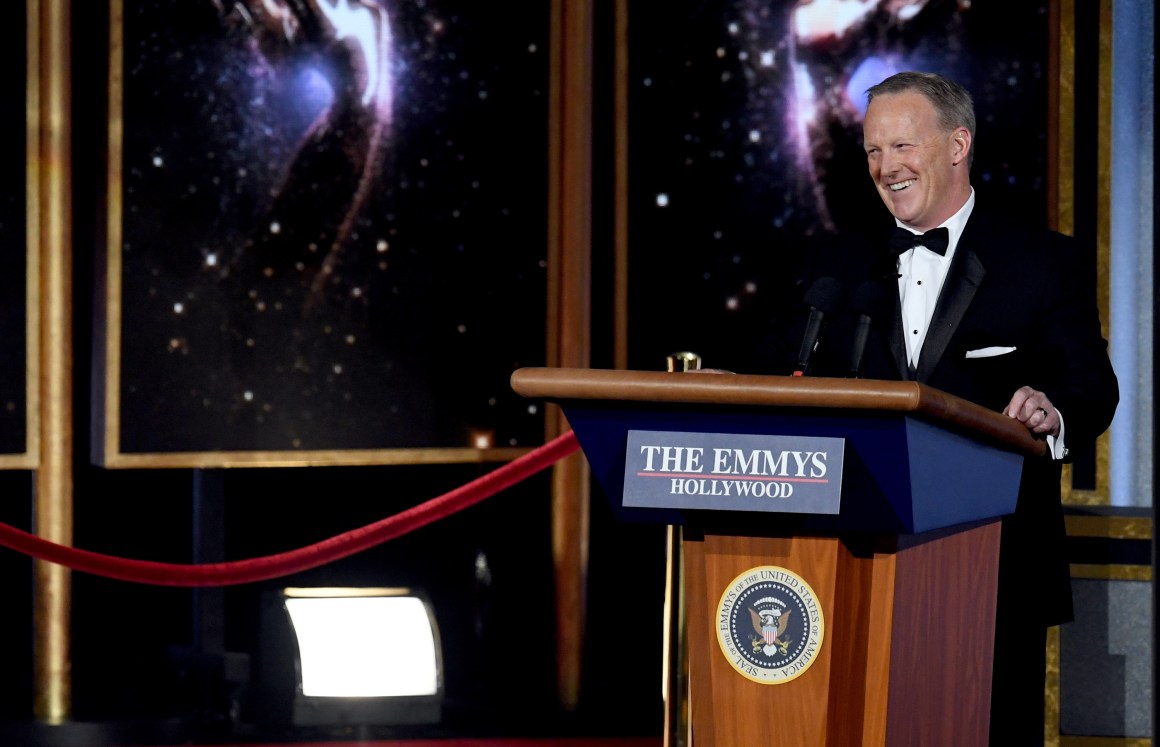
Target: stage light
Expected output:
[356,656]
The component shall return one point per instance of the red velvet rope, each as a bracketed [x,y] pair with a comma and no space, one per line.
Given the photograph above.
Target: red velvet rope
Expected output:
[311,556]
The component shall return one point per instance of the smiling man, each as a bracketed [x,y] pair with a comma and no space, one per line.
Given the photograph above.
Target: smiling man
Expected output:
[919,156]
[999,313]
[969,301]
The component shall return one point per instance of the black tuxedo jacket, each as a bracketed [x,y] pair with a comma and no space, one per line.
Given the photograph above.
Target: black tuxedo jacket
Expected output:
[1028,292]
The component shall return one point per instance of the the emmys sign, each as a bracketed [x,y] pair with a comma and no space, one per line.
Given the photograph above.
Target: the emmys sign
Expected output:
[733,472]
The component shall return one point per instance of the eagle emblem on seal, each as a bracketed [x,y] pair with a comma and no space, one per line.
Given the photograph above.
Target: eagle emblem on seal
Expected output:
[769,621]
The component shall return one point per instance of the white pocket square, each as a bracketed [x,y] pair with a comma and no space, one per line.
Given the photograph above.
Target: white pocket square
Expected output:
[989,352]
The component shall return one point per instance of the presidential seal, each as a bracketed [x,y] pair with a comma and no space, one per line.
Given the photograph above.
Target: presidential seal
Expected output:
[770,625]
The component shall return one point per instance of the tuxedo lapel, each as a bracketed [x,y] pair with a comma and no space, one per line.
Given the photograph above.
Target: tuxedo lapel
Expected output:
[962,281]
[897,339]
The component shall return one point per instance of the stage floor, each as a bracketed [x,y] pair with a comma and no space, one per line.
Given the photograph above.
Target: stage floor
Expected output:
[175,734]
[465,742]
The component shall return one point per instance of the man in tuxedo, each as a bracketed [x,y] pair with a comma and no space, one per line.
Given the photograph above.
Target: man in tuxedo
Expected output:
[995,312]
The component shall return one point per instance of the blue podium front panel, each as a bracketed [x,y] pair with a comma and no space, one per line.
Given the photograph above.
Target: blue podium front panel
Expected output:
[899,474]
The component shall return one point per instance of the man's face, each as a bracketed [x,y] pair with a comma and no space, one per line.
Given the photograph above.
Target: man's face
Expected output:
[919,169]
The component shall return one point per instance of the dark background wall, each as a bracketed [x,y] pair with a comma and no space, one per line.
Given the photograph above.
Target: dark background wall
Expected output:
[130,641]
[498,627]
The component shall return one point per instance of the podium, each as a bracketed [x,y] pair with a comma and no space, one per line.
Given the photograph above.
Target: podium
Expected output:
[840,542]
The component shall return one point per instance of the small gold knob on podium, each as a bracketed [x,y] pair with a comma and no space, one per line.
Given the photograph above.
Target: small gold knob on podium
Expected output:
[683,361]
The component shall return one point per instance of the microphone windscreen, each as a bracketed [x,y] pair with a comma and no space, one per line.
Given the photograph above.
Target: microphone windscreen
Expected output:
[870,299]
[824,294]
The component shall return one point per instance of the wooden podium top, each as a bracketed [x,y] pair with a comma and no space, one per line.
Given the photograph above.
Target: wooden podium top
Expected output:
[729,389]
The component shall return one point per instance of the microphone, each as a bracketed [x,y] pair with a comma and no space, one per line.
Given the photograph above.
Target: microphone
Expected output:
[823,298]
[869,302]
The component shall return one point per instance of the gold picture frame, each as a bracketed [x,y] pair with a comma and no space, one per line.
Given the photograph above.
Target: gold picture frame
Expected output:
[20,431]
[333,428]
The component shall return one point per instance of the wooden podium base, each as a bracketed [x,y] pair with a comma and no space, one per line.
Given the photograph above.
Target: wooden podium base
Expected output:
[891,638]
[907,640]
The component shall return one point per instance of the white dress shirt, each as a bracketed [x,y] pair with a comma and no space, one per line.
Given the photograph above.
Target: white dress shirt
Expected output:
[921,273]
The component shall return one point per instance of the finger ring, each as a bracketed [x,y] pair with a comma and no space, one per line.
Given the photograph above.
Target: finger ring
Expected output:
[1042,411]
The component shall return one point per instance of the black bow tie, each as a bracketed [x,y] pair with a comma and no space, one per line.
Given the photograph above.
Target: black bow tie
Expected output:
[935,240]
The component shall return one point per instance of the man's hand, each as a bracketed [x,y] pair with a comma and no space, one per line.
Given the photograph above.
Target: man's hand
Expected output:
[1033,409]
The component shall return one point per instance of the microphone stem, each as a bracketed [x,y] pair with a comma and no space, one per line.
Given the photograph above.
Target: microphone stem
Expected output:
[861,334]
[809,341]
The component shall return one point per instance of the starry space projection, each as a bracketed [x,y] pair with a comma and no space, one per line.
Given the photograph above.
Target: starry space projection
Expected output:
[13,241]
[745,153]
[334,224]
